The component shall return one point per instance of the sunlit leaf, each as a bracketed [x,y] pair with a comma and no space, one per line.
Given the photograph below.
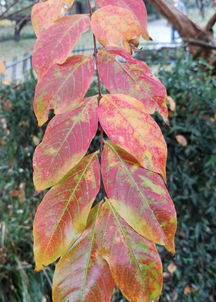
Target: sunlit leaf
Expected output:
[65,142]
[56,43]
[127,28]
[139,196]
[121,73]
[82,274]
[2,67]
[136,6]
[62,215]
[46,13]
[63,87]
[124,120]
[133,260]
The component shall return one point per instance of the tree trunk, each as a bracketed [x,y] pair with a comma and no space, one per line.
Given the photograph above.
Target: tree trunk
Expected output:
[200,41]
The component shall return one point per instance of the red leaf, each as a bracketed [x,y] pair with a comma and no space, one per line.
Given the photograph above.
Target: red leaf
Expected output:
[125,122]
[82,274]
[127,28]
[62,215]
[134,262]
[136,6]
[121,73]
[65,142]
[63,86]
[56,43]
[139,196]
[46,13]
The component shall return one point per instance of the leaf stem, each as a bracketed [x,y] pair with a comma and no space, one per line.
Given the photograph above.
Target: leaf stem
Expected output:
[101,132]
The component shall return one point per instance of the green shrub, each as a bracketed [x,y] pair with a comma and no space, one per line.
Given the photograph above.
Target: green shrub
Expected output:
[191,172]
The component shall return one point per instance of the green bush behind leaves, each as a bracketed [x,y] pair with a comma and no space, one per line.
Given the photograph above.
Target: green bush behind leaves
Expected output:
[190,275]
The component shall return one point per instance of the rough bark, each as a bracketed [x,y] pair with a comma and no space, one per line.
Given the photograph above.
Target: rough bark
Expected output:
[201,41]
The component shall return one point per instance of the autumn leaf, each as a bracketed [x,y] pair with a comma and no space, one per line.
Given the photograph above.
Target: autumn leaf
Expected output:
[65,142]
[46,13]
[125,122]
[139,196]
[82,274]
[127,28]
[120,73]
[56,43]
[2,67]
[63,86]
[136,6]
[181,140]
[133,260]
[62,215]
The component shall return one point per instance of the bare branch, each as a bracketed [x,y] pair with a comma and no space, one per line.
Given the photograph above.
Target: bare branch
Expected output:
[211,22]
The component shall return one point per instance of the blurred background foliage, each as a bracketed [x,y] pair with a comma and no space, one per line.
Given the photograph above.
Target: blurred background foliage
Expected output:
[191,138]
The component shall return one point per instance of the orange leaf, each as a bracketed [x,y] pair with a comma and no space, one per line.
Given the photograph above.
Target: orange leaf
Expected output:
[121,73]
[139,196]
[136,6]
[181,140]
[82,274]
[125,122]
[46,13]
[2,67]
[62,215]
[56,43]
[110,17]
[134,262]
[65,142]
[63,87]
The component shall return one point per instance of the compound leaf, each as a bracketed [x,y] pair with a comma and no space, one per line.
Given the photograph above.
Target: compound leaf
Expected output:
[62,215]
[139,196]
[63,86]
[125,122]
[56,43]
[136,6]
[82,275]
[121,73]
[133,260]
[127,28]
[65,142]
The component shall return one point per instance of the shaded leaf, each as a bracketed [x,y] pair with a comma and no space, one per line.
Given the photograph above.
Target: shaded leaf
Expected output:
[139,196]
[136,6]
[125,122]
[65,142]
[63,86]
[82,275]
[134,262]
[121,73]
[62,215]
[56,43]
[46,13]
[127,28]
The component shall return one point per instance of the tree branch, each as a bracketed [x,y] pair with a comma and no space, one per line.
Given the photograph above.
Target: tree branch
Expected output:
[8,8]
[211,22]
[16,12]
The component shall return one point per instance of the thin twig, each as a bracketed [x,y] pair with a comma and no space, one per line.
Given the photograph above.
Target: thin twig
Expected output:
[8,8]
[200,43]
[16,12]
